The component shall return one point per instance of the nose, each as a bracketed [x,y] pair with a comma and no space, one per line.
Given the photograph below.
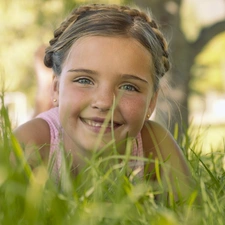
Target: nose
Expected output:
[103,99]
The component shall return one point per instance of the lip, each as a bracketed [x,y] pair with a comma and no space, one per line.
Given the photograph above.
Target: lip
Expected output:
[97,124]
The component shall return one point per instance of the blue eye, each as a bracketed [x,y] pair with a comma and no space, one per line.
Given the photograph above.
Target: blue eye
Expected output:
[128,87]
[84,81]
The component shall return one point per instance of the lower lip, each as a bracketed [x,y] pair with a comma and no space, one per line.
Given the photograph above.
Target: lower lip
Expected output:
[99,129]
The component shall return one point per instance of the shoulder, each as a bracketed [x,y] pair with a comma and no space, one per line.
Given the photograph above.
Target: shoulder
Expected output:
[160,144]
[35,131]
[159,141]
[155,127]
[34,135]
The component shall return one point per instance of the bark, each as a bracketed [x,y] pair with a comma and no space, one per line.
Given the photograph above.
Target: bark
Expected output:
[172,108]
[206,35]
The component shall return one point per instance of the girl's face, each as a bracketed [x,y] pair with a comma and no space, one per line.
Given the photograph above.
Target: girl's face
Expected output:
[101,72]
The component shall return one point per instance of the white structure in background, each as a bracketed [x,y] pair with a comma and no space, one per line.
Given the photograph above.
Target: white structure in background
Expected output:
[204,111]
[209,110]
[16,102]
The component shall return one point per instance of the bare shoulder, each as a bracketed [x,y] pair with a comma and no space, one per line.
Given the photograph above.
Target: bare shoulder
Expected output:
[35,131]
[34,135]
[159,141]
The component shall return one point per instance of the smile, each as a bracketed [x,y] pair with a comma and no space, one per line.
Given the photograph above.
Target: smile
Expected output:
[96,124]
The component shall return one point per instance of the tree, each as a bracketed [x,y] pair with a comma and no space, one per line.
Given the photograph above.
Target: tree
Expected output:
[184,52]
[28,28]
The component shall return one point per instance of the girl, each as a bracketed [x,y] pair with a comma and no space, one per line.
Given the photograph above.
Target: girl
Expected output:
[107,62]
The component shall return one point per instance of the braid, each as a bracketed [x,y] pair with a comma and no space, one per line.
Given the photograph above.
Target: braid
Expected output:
[71,19]
[133,16]
[135,13]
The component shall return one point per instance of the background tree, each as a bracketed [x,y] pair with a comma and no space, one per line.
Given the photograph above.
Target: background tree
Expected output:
[183,52]
[24,28]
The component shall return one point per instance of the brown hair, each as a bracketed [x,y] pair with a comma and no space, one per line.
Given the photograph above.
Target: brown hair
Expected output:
[108,20]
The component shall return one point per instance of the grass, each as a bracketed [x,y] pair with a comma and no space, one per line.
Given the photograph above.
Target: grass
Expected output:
[104,195]
[210,137]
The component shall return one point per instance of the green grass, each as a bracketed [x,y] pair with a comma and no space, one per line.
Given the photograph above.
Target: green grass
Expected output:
[103,194]
[209,137]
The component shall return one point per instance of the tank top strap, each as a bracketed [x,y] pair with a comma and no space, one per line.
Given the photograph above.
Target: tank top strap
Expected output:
[138,164]
[55,155]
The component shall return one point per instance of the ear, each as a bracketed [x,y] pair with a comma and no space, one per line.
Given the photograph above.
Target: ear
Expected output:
[55,90]
[152,104]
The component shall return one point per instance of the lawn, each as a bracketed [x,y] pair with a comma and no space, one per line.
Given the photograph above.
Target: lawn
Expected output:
[103,195]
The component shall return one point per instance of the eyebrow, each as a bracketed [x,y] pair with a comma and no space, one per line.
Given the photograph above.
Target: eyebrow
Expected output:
[131,76]
[82,71]
[93,72]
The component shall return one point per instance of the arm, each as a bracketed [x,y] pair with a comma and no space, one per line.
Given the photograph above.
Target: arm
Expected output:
[175,174]
[34,138]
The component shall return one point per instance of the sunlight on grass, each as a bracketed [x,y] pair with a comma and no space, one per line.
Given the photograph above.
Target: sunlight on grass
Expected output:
[103,194]
[209,138]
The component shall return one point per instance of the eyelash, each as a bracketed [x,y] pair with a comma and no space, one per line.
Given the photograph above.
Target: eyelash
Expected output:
[86,81]
[130,86]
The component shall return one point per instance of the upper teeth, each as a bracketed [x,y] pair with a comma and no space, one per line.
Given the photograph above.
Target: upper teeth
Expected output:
[96,124]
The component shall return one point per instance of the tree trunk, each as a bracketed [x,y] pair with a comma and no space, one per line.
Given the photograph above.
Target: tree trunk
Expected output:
[172,108]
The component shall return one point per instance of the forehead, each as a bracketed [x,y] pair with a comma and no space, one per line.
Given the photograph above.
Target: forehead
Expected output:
[121,50]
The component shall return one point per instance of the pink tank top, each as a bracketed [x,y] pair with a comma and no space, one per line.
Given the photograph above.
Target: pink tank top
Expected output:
[55,157]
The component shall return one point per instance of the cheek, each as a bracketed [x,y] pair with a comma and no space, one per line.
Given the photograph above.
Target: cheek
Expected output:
[69,94]
[72,101]
[135,109]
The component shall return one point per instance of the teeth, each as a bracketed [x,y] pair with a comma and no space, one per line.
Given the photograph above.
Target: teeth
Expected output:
[96,124]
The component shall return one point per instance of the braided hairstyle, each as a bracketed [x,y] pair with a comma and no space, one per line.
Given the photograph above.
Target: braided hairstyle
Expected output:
[109,20]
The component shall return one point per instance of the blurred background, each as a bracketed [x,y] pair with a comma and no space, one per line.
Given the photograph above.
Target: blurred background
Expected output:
[192,94]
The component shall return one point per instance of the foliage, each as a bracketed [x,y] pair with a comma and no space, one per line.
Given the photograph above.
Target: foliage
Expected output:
[189,26]
[103,194]
[209,68]
[23,29]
